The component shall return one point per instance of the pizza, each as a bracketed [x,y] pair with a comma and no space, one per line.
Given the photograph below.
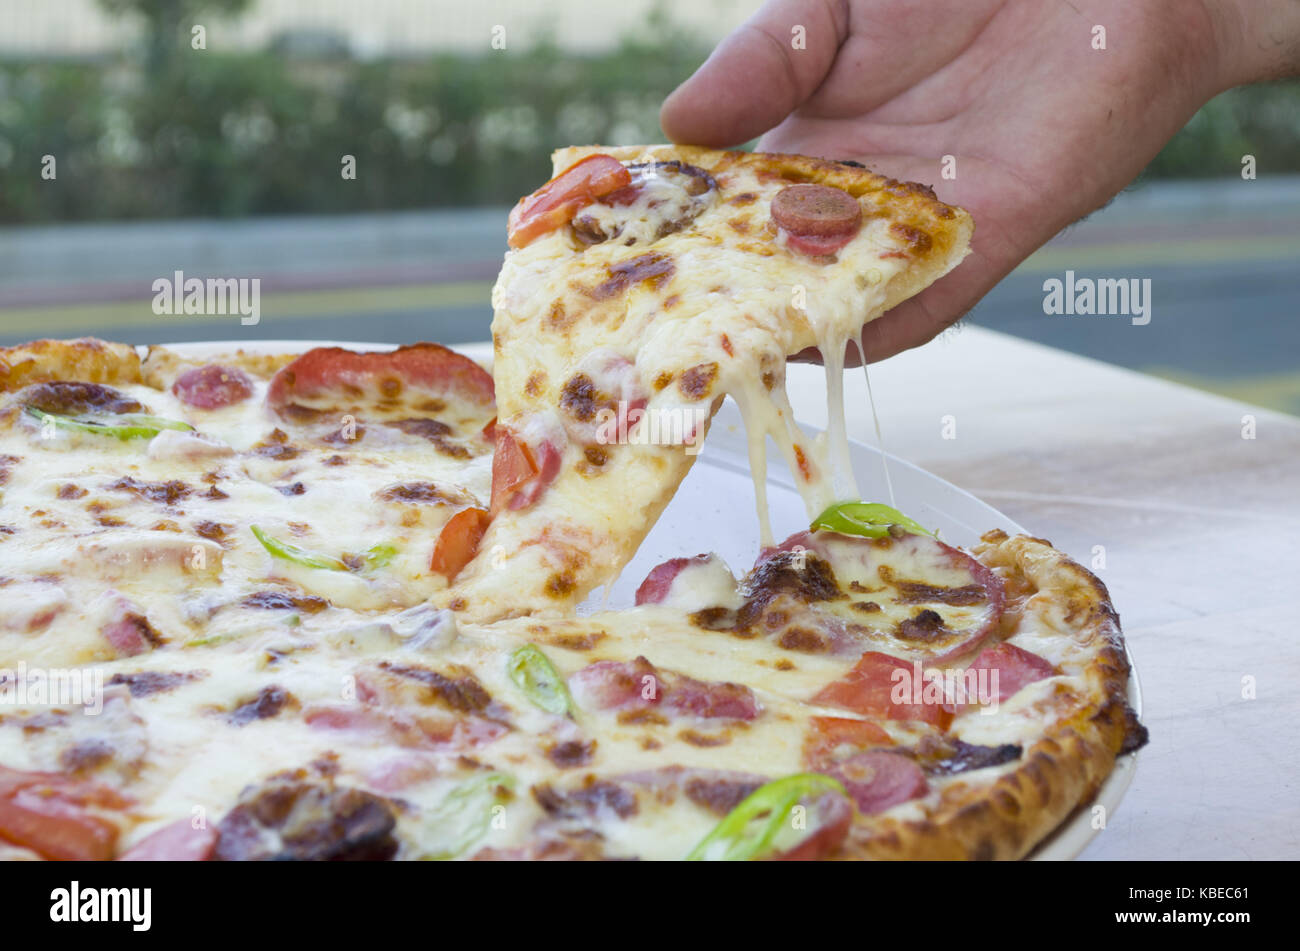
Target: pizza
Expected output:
[329,605]
[643,285]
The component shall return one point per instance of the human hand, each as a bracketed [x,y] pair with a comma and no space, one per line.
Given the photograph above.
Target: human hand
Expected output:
[1042,126]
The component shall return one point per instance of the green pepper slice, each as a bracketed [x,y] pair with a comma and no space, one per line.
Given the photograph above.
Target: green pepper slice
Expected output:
[868,519]
[124,426]
[477,797]
[298,556]
[534,674]
[747,832]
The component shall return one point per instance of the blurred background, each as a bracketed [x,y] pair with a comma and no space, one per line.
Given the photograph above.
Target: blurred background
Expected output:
[218,152]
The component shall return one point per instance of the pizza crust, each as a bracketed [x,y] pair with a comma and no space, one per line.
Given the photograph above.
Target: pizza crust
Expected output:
[85,359]
[1057,773]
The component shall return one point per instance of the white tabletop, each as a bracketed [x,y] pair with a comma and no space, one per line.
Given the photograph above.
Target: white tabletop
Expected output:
[1201,535]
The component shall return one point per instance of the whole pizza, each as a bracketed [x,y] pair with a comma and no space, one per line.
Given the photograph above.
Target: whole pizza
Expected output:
[335,604]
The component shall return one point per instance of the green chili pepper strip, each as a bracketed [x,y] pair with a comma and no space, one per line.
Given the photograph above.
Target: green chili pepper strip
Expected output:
[380,555]
[125,426]
[475,798]
[534,674]
[869,519]
[299,556]
[748,830]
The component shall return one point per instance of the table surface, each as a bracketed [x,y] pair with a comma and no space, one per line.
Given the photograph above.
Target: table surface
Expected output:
[1200,532]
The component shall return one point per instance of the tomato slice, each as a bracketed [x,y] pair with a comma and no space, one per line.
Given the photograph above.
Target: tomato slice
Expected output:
[47,813]
[828,736]
[458,542]
[519,473]
[555,203]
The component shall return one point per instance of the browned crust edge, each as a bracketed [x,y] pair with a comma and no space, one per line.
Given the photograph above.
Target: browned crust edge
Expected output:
[1061,770]
[85,359]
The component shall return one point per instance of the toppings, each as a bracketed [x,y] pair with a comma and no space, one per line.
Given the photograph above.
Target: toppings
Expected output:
[124,426]
[375,557]
[653,268]
[1011,668]
[760,826]
[332,377]
[663,198]
[829,737]
[877,686]
[178,842]
[63,398]
[212,386]
[654,589]
[458,542]
[868,519]
[818,219]
[554,204]
[534,674]
[878,779]
[521,473]
[639,685]
[464,816]
[128,630]
[54,815]
[288,818]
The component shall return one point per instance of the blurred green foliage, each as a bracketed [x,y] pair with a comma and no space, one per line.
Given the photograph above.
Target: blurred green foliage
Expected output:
[207,133]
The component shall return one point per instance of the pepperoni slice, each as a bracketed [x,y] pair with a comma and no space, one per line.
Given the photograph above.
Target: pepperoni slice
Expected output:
[1015,668]
[458,542]
[213,386]
[816,210]
[878,779]
[177,842]
[638,684]
[869,688]
[654,589]
[829,737]
[334,372]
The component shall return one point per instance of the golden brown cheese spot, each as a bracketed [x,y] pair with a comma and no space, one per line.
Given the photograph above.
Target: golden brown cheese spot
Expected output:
[463,694]
[697,382]
[416,493]
[738,225]
[164,525]
[918,242]
[70,491]
[865,607]
[576,642]
[557,318]
[803,639]
[696,738]
[284,601]
[596,456]
[653,269]
[672,301]
[213,531]
[925,626]
[662,380]
[784,664]
[642,717]
[536,381]
[169,492]
[743,198]
[579,398]
[561,584]
[571,754]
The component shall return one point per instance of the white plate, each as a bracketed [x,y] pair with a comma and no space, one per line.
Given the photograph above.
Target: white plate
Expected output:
[714,511]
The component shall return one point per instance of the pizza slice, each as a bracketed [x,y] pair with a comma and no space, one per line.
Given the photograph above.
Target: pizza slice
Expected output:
[645,283]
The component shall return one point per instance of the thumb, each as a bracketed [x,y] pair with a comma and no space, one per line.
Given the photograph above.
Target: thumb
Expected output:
[758,75]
